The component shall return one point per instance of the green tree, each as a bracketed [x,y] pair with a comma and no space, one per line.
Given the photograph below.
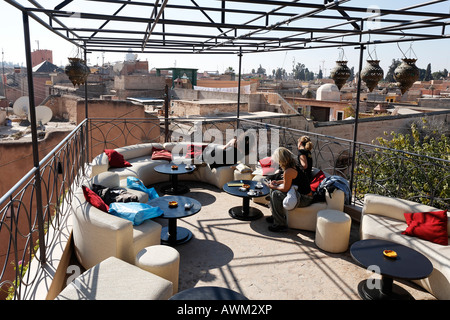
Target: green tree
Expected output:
[428,75]
[390,74]
[409,166]
[261,70]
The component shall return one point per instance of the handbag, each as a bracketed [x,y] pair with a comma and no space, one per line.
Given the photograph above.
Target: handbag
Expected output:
[135,212]
[136,184]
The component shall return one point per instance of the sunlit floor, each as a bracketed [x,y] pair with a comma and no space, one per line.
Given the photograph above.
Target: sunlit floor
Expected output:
[248,258]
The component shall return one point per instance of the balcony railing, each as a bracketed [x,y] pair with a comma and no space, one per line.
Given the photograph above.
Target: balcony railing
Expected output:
[23,226]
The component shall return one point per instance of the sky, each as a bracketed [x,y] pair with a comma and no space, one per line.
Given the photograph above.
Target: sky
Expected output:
[436,52]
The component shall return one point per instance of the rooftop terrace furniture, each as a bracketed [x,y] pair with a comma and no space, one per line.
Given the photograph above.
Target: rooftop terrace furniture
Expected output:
[305,218]
[142,165]
[383,218]
[114,279]
[98,235]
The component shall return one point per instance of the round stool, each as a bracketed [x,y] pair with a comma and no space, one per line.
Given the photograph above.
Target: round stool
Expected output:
[333,230]
[164,261]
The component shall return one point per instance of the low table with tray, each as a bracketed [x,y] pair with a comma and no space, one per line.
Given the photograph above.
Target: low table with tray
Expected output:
[246,189]
[391,260]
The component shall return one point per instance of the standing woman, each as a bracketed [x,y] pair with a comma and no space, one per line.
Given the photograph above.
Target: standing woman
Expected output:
[305,146]
[293,175]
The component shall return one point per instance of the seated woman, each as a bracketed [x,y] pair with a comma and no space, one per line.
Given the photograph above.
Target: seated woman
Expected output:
[304,154]
[293,175]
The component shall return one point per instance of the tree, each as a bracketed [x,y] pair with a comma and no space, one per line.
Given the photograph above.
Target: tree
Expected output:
[409,166]
[229,70]
[320,75]
[428,75]
[261,70]
[390,74]
[280,73]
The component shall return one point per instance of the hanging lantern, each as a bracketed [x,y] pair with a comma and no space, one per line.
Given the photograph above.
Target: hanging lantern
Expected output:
[77,71]
[372,74]
[340,73]
[406,74]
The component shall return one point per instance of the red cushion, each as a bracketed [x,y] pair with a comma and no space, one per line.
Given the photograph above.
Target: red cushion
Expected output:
[161,154]
[116,160]
[195,150]
[265,162]
[94,199]
[315,182]
[431,226]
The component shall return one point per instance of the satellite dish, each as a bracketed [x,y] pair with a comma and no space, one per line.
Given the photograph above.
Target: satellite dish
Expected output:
[43,115]
[21,107]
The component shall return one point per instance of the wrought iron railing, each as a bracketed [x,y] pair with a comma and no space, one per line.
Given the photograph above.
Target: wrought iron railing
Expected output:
[23,233]
[377,169]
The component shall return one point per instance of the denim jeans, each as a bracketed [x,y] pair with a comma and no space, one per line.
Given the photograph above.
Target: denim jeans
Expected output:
[276,205]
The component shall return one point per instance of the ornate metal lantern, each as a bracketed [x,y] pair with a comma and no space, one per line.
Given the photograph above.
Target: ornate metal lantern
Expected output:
[406,74]
[340,73]
[77,71]
[372,74]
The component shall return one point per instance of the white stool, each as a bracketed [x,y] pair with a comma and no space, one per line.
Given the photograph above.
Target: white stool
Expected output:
[333,230]
[161,260]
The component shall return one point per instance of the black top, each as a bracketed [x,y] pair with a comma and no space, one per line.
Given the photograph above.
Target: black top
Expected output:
[308,156]
[302,181]
[179,211]
[208,293]
[235,191]
[409,263]
[166,168]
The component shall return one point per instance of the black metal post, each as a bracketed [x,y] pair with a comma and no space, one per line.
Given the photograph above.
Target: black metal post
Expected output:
[355,129]
[86,112]
[166,113]
[239,88]
[34,139]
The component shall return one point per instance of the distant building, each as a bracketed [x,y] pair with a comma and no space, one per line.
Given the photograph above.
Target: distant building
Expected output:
[39,56]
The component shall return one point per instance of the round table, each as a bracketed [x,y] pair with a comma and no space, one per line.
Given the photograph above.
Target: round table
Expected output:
[174,235]
[409,265]
[208,293]
[245,212]
[174,188]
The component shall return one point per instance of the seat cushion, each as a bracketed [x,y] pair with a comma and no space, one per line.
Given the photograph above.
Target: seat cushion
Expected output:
[114,279]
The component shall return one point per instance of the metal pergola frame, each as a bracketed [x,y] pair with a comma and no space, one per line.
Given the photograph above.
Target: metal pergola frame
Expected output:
[227,27]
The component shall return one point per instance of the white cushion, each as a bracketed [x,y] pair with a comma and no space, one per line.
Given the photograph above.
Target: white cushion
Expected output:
[114,279]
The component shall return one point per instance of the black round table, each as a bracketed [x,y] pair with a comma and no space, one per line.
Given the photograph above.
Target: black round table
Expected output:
[409,265]
[245,212]
[174,235]
[174,188]
[208,293]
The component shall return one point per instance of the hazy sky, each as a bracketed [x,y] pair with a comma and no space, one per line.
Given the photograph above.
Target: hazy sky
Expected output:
[12,44]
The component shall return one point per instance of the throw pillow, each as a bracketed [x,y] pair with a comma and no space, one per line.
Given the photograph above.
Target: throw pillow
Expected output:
[266,166]
[430,226]
[116,160]
[94,199]
[161,154]
[195,151]
[315,182]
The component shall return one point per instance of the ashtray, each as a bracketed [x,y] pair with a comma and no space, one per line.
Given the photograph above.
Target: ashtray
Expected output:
[173,204]
[174,167]
[390,254]
[245,186]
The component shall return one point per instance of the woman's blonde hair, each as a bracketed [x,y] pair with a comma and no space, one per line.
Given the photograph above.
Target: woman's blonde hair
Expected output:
[305,141]
[284,158]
